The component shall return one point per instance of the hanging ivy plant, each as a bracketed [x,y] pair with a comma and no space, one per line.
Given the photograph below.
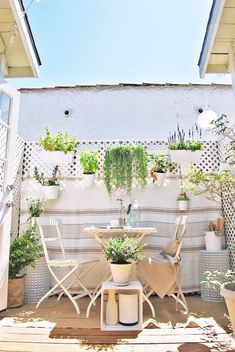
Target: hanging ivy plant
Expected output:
[123,166]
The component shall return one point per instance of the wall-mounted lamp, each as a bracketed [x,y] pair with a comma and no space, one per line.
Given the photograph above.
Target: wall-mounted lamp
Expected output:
[205,119]
[67,112]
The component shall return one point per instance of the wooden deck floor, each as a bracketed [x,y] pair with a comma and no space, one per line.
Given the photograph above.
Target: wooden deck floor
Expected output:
[26,329]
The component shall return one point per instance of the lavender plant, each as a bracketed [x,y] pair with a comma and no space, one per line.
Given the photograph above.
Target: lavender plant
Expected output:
[179,141]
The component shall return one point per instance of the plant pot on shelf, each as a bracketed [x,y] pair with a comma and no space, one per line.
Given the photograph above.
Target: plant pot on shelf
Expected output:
[160,176]
[56,157]
[15,292]
[213,241]
[51,192]
[88,179]
[121,272]
[185,156]
[183,205]
[227,291]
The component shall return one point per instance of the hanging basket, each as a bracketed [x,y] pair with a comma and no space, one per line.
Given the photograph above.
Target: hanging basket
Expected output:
[51,192]
[88,180]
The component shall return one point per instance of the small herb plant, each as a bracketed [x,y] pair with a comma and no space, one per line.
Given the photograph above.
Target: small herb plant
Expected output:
[60,142]
[121,250]
[51,181]
[24,251]
[35,206]
[178,140]
[89,160]
[183,196]
[123,166]
[214,279]
[160,163]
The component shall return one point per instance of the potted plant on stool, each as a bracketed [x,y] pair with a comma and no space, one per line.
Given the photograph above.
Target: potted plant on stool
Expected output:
[89,160]
[121,252]
[24,251]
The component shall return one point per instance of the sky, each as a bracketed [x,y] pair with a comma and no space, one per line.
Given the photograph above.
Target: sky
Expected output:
[113,41]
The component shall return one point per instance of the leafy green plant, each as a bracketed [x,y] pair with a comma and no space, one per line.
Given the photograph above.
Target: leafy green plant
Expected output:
[35,206]
[89,160]
[212,184]
[214,279]
[120,250]
[24,251]
[178,141]
[223,128]
[160,163]
[51,181]
[60,142]
[123,166]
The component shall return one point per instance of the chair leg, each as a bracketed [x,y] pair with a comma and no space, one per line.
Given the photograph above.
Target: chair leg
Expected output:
[181,301]
[145,298]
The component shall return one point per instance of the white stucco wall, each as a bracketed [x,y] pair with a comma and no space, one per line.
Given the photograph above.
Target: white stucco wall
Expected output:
[120,112]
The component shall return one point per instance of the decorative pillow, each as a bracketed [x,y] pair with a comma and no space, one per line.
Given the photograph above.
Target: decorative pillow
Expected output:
[170,248]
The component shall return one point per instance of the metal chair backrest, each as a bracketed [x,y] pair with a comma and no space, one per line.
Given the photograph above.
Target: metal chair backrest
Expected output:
[181,224]
[54,223]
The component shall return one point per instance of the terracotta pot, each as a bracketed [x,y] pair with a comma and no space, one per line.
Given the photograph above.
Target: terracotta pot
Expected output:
[121,273]
[227,290]
[15,292]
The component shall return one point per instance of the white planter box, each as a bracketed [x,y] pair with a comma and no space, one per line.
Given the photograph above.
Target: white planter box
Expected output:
[213,242]
[183,204]
[51,192]
[185,156]
[57,157]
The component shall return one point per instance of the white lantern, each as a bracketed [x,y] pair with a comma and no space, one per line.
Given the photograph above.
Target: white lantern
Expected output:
[205,119]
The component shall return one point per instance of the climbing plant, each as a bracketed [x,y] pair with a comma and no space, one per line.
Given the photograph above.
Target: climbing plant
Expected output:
[123,166]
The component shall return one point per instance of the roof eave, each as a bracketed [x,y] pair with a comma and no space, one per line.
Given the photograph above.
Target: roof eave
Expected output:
[209,38]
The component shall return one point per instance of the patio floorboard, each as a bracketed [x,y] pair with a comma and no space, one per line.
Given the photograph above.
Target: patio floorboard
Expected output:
[56,327]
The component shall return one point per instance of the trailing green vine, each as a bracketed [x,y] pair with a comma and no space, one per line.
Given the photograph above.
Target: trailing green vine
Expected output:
[123,166]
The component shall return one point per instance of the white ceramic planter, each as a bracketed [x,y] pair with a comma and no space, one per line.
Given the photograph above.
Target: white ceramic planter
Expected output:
[213,242]
[128,308]
[185,156]
[51,192]
[183,204]
[57,157]
[121,273]
[227,291]
[160,178]
[88,180]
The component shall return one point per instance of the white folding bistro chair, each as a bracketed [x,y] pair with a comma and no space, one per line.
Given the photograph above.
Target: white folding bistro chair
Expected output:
[72,265]
[163,272]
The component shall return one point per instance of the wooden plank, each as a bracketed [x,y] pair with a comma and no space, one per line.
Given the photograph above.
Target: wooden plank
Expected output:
[9,347]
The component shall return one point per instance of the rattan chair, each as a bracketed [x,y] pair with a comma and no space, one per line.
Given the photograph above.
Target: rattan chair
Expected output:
[64,268]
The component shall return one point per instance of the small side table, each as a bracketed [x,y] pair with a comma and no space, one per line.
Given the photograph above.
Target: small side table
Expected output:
[210,261]
[134,286]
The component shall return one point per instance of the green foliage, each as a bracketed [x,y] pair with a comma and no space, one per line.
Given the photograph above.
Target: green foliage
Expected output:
[214,279]
[122,249]
[160,163]
[35,206]
[51,181]
[124,166]
[24,251]
[211,184]
[89,160]
[186,145]
[223,128]
[60,142]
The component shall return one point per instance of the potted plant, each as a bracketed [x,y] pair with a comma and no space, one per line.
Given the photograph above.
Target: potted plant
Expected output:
[36,206]
[50,185]
[125,166]
[89,160]
[214,235]
[185,151]
[121,252]
[213,185]
[24,251]
[223,283]
[183,201]
[58,148]
[160,165]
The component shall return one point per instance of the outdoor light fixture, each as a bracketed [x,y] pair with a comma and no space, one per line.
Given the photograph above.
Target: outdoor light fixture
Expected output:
[205,119]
